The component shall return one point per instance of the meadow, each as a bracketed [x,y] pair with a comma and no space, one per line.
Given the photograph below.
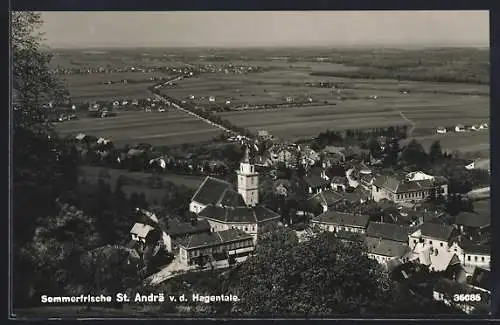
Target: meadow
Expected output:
[165,128]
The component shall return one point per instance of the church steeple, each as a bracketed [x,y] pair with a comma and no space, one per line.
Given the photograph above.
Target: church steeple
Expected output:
[246,157]
[248,180]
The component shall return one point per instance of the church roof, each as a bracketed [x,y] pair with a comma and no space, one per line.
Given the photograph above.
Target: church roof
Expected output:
[216,191]
[237,214]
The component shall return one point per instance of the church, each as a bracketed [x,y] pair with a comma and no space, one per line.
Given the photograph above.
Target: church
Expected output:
[225,207]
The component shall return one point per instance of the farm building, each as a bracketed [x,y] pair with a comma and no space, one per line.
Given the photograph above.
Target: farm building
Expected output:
[459,128]
[441,130]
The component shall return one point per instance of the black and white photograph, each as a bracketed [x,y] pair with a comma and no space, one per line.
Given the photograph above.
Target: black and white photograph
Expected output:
[250,164]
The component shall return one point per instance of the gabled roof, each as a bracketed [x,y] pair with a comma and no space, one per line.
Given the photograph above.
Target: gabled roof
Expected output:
[216,191]
[388,231]
[334,150]
[214,238]
[315,181]
[350,236]
[437,231]
[473,220]
[329,197]
[395,185]
[342,219]
[241,214]
[176,228]
[385,247]
[468,246]
[141,229]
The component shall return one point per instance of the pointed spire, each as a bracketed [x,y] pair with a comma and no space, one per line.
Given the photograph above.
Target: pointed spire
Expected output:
[246,156]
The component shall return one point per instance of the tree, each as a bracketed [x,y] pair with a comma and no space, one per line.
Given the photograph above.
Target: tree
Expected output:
[322,276]
[414,155]
[435,152]
[37,171]
[50,260]
[374,147]
[34,83]
[110,269]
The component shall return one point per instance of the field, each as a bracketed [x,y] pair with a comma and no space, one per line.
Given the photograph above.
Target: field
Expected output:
[468,142]
[354,103]
[91,87]
[167,128]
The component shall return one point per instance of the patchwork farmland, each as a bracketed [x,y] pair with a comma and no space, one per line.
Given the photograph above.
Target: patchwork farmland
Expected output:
[339,103]
[167,128]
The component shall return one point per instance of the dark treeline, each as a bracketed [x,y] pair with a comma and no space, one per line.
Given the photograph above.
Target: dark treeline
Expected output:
[356,136]
[410,74]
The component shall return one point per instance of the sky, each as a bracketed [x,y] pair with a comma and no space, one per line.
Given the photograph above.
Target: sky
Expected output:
[258,28]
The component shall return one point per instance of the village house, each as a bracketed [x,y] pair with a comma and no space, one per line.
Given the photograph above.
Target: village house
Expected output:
[387,241]
[215,247]
[264,135]
[140,232]
[473,224]
[328,199]
[459,128]
[308,157]
[471,254]
[413,188]
[282,154]
[173,231]
[441,130]
[315,182]
[384,251]
[334,221]
[331,156]
[388,231]
[433,234]
[430,245]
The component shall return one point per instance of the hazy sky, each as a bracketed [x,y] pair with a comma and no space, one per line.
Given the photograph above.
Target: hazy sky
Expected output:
[218,29]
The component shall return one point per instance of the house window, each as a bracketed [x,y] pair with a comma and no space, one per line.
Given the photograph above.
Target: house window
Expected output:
[245,229]
[430,242]
[482,259]
[468,258]
[441,244]
[414,241]
[475,258]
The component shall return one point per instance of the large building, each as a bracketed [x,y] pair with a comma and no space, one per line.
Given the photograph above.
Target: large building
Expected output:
[203,248]
[225,207]
[414,187]
[335,221]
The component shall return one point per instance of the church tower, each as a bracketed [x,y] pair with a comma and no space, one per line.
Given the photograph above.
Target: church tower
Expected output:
[248,180]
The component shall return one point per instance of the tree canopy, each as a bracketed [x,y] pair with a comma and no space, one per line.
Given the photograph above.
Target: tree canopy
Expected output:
[320,277]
